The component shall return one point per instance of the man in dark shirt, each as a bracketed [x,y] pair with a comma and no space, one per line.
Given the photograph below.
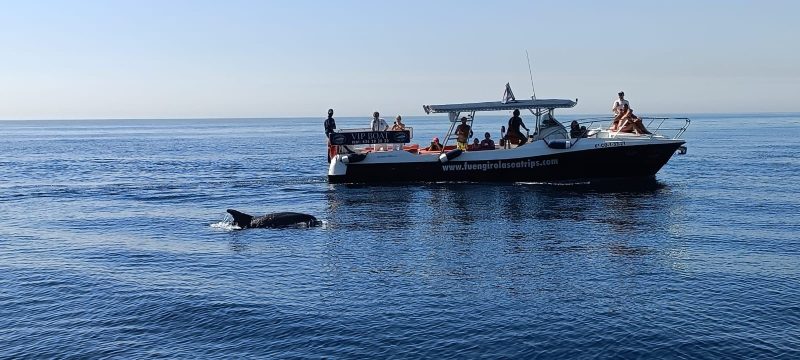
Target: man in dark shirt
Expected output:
[330,124]
[513,128]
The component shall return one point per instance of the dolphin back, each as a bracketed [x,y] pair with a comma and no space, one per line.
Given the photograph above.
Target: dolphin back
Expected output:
[283,219]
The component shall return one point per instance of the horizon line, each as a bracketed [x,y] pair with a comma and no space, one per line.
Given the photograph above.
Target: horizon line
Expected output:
[360,116]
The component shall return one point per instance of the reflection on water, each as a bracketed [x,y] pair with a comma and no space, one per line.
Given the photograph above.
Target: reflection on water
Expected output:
[617,219]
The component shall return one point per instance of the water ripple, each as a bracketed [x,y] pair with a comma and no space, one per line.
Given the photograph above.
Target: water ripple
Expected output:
[116,244]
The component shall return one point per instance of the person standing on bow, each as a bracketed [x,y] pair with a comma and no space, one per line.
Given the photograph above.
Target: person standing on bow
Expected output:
[619,103]
[514,123]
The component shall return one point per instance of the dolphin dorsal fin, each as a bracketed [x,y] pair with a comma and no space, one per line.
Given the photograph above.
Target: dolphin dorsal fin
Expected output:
[240,219]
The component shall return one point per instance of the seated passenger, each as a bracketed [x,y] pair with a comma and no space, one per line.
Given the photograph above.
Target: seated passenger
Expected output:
[576,131]
[435,145]
[616,122]
[503,136]
[475,146]
[626,121]
[487,143]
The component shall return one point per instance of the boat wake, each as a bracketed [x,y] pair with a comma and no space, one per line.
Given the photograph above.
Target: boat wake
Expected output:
[554,183]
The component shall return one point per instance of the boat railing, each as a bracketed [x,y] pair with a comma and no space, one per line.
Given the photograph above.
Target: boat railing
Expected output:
[669,127]
[354,129]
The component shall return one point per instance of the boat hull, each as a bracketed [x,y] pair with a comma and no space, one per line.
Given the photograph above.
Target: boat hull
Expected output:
[590,163]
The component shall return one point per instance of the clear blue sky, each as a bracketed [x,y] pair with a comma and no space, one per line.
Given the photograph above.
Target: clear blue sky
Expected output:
[173,58]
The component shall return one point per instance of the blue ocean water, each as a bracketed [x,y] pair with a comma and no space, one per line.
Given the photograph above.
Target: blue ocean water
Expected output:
[113,244]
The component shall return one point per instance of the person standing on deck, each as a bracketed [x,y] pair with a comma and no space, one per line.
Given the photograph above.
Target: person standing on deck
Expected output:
[330,124]
[463,133]
[330,127]
[378,124]
[398,126]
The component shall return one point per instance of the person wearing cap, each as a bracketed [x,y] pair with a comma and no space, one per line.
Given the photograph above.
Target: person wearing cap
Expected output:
[330,127]
[330,124]
[378,124]
[463,133]
[435,145]
[619,103]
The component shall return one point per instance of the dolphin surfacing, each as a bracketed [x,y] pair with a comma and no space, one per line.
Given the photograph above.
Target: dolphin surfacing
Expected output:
[273,220]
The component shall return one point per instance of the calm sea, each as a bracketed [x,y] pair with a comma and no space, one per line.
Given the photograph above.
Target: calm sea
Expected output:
[113,244]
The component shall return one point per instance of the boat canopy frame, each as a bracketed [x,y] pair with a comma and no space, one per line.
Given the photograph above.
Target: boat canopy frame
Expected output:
[535,106]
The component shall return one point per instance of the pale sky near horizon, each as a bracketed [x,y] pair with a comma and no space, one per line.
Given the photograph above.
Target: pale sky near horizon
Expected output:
[186,59]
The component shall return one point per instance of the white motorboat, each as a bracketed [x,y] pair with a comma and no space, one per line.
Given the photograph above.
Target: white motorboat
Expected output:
[552,154]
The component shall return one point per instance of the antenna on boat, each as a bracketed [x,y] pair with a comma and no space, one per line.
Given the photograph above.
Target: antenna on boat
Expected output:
[530,72]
